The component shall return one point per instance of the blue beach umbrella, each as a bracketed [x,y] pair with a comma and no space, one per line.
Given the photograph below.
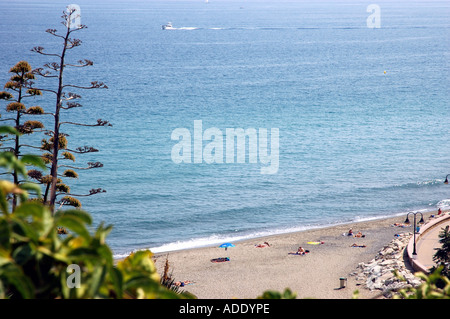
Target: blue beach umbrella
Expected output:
[226,245]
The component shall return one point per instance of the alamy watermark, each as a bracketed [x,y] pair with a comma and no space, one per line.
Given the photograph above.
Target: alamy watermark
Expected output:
[213,152]
[374,19]
[73,16]
[189,148]
[74,279]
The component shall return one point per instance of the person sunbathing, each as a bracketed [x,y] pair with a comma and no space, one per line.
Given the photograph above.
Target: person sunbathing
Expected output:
[266,244]
[355,245]
[183,283]
[359,234]
[300,251]
[399,225]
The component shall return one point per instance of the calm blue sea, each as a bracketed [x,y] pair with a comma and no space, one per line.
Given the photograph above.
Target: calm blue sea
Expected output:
[363,113]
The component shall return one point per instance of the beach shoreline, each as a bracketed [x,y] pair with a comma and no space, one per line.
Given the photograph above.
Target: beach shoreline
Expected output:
[251,270]
[257,235]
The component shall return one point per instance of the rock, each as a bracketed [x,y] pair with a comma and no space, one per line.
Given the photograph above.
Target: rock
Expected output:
[386,262]
[386,277]
[409,277]
[360,277]
[379,272]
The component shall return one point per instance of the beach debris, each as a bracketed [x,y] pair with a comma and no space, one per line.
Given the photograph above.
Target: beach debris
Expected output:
[380,272]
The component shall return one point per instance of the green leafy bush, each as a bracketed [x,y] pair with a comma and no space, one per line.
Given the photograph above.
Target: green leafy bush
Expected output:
[37,262]
[430,289]
[442,255]
[272,294]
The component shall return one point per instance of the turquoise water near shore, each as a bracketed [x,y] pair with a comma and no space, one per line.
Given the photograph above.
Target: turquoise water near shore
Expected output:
[355,142]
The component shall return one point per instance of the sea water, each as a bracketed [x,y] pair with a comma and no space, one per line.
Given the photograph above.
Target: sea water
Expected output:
[362,111]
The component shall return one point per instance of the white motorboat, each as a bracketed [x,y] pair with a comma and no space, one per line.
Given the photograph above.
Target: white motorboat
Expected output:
[168,26]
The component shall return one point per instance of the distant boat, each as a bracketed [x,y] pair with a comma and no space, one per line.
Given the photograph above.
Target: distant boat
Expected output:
[167,26]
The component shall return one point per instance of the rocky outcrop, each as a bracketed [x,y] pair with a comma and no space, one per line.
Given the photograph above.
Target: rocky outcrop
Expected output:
[379,272]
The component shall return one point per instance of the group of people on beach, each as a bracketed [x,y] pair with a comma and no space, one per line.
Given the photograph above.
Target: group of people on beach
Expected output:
[300,250]
[303,251]
[439,214]
[358,234]
[350,233]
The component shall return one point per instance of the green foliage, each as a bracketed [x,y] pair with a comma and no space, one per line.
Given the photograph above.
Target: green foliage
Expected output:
[8,130]
[11,163]
[270,294]
[35,259]
[430,289]
[442,255]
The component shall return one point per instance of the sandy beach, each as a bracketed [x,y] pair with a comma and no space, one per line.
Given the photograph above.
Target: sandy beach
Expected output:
[252,270]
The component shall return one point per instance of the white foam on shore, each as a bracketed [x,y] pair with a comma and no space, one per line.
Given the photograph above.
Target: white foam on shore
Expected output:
[216,240]
[444,204]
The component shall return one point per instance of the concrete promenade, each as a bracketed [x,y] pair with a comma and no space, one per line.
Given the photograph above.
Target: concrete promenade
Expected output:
[427,239]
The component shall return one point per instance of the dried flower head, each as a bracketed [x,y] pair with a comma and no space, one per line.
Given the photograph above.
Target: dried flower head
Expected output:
[15,107]
[71,201]
[35,110]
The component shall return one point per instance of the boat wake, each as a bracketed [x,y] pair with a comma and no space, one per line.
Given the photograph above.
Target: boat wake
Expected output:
[275,28]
